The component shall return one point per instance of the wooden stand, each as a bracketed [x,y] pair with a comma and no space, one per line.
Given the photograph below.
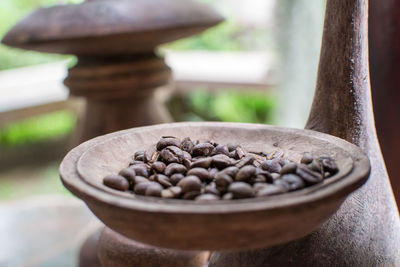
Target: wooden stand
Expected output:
[115,41]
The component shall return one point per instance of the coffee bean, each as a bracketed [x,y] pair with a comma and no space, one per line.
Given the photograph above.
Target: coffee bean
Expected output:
[329,165]
[233,154]
[203,149]
[316,165]
[176,178]
[187,145]
[260,179]
[221,161]
[246,173]
[140,179]
[117,182]
[167,194]
[153,190]
[168,141]
[206,198]
[129,174]
[148,154]
[241,190]
[267,175]
[172,154]
[212,189]
[259,186]
[231,147]
[163,180]
[306,159]
[294,181]
[175,168]
[270,190]
[213,172]
[176,190]
[289,168]
[227,196]
[140,170]
[283,162]
[272,166]
[158,166]
[247,160]
[282,183]
[221,149]
[135,162]
[140,188]
[190,183]
[202,173]
[202,163]
[240,152]
[309,176]
[222,181]
[191,195]
[139,155]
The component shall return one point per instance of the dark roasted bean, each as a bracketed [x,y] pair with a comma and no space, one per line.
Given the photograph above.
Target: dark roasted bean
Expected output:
[176,190]
[148,154]
[175,168]
[129,174]
[168,141]
[222,181]
[190,183]
[158,166]
[202,173]
[167,194]
[140,170]
[213,172]
[117,182]
[187,145]
[153,190]
[136,162]
[221,161]
[294,181]
[316,166]
[289,168]
[231,171]
[329,165]
[202,163]
[306,159]
[139,155]
[191,195]
[227,196]
[246,173]
[266,174]
[140,189]
[203,149]
[270,190]
[140,179]
[172,154]
[233,154]
[231,147]
[221,149]
[163,180]
[247,160]
[176,178]
[309,176]
[259,186]
[212,189]
[271,166]
[206,198]
[282,183]
[241,190]
[260,179]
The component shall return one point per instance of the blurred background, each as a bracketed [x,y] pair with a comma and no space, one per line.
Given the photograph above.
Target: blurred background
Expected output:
[231,72]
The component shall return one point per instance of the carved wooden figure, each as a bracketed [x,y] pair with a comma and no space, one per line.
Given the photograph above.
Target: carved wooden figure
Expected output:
[115,41]
[366,229]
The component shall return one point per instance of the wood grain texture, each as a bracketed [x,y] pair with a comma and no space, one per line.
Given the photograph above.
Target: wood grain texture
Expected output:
[385,82]
[180,224]
[366,229]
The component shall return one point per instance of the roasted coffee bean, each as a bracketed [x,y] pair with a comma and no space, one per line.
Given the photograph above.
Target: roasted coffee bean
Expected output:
[212,189]
[260,179]
[168,141]
[272,166]
[167,194]
[294,181]
[176,178]
[240,152]
[246,173]
[129,174]
[158,166]
[202,173]
[202,163]
[153,190]
[247,160]
[191,195]
[329,165]
[289,168]
[231,171]
[187,145]
[231,147]
[270,190]
[221,149]
[316,165]
[190,183]
[139,155]
[206,198]
[227,196]
[176,190]
[306,159]
[172,154]
[140,170]
[213,172]
[151,155]
[267,175]
[163,180]
[221,161]
[175,168]
[241,190]
[222,181]
[282,183]
[259,186]
[140,188]
[117,182]
[203,149]
[140,179]
[283,162]
[136,162]
[309,176]
[233,154]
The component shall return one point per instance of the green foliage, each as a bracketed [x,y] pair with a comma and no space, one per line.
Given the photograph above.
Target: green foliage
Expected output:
[233,106]
[51,125]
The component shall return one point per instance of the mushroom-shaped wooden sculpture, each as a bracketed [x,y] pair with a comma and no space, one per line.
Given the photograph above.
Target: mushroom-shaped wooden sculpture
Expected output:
[115,42]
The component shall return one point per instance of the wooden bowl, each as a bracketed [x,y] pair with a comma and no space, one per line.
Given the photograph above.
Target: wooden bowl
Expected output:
[226,225]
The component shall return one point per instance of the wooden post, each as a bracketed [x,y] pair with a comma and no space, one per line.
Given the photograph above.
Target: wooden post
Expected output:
[366,229]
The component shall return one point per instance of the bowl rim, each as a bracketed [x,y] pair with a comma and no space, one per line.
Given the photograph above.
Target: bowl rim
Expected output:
[357,176]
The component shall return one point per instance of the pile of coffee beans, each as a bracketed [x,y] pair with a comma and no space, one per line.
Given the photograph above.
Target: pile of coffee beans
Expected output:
[207,171]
